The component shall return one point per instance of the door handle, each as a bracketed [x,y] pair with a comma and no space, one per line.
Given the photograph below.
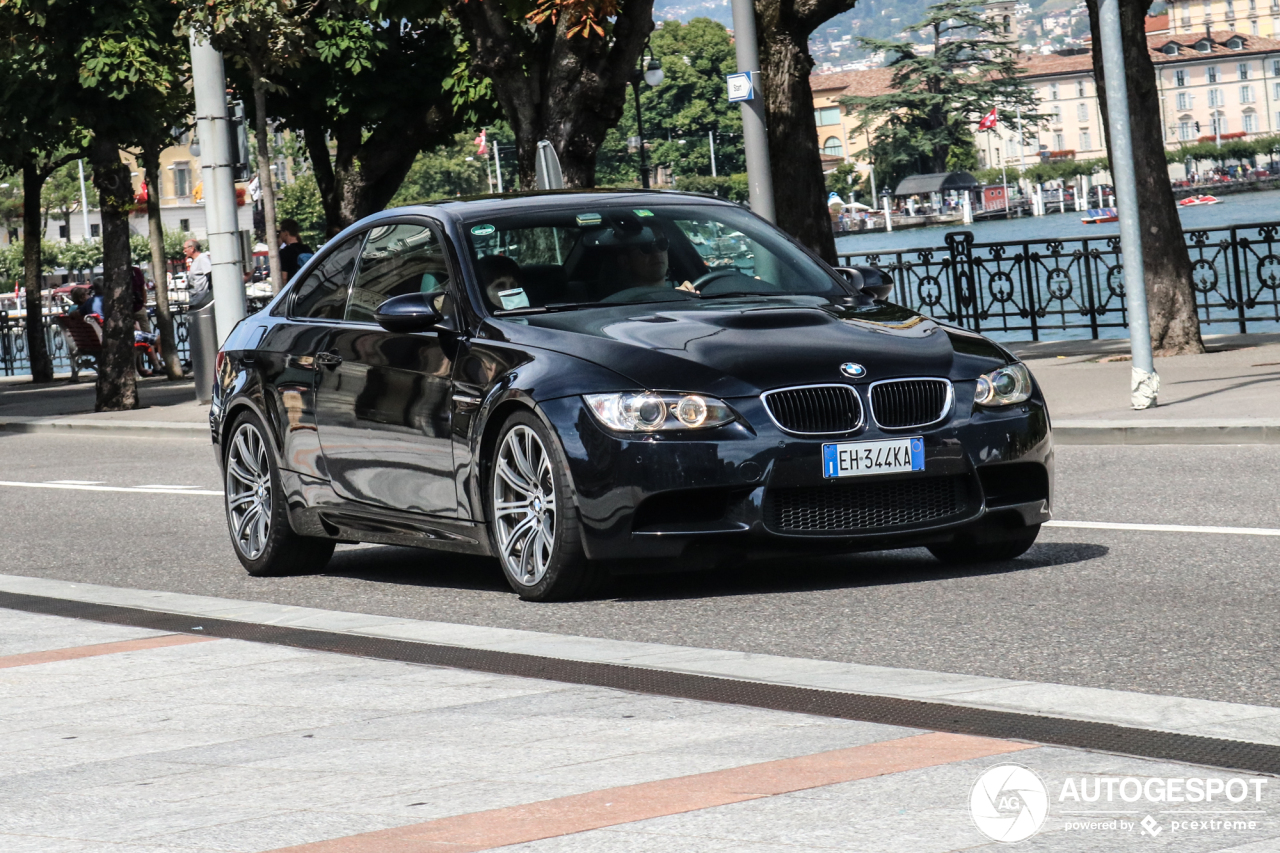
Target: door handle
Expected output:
[330,358]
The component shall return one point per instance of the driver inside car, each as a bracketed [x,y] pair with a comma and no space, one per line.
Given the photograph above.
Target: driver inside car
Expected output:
[645,264]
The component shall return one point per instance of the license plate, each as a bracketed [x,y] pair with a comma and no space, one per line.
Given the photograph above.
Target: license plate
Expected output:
[855,458]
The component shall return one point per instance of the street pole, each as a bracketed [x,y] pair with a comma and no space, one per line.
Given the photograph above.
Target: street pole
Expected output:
[711,140]
[1145,382]
[84,206]
[1021,148]
[497,164]
[209,81]
[755,136]
[872,164]
[644,163]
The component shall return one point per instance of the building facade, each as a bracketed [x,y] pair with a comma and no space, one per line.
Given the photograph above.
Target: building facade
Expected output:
[1248,17]
[1210,86]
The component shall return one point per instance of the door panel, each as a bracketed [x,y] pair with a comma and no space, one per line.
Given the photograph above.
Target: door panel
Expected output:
[383,398]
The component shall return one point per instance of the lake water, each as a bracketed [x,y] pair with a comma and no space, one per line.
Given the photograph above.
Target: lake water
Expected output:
[1240,209]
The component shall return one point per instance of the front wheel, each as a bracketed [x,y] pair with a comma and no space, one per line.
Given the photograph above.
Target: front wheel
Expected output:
[1010,545]
[534,525]
[256,512]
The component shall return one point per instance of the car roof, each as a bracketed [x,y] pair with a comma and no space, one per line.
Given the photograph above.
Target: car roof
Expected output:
[466,208]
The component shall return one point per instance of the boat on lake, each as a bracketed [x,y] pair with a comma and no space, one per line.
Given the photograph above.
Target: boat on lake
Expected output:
[1100,214]
[1198,200]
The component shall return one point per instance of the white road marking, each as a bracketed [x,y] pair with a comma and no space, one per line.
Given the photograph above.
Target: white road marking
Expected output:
[163,486]
[1166,528]
[76,482]
[96,488]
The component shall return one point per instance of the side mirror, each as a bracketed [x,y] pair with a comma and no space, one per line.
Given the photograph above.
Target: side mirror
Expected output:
[870,280]
[412,312]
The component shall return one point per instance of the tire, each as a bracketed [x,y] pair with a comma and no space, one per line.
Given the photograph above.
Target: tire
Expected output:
[965,549]
[257,512]
[533,522]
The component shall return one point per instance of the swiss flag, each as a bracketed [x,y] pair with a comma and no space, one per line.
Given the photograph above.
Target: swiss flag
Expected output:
[988,121]
[483,144]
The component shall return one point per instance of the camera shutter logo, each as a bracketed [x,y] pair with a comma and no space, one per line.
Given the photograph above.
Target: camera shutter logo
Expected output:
[1009,803]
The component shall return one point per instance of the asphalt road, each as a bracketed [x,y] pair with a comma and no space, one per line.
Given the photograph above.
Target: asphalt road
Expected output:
[1186,614]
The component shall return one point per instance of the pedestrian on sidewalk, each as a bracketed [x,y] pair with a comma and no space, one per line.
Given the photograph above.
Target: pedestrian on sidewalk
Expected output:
[199,269]
[293,252]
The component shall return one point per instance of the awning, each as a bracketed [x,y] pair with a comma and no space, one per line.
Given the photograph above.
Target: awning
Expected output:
[935,183]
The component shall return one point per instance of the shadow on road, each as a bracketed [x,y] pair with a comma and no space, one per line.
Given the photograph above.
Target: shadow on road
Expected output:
[423,568]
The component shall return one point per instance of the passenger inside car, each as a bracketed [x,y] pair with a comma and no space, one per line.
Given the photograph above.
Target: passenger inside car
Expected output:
[502,282]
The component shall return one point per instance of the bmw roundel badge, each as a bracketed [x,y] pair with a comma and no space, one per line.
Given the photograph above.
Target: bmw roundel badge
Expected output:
[853,370]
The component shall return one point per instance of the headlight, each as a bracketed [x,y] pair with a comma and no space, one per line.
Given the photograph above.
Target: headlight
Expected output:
[1003,387]
[651,411]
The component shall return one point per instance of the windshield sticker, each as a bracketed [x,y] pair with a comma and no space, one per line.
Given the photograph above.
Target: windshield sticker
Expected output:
[643,212]
[585,219]
[514,298]
[483,230]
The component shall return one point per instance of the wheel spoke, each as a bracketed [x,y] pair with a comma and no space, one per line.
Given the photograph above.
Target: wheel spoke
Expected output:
[235,502]
[510,507]
[513,478]
[524,525]
[242,528]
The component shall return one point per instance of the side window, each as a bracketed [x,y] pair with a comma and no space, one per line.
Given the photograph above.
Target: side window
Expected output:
[323,294]
[397,259]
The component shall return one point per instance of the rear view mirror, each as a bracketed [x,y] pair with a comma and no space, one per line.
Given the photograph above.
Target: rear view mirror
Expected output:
[412,312]
[870,280]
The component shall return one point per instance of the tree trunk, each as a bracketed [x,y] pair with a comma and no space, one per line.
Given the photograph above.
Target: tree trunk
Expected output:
[117,382]
[1171,305]
[568,90]
[164,316]
[265,183]
[37,346]
[363,173]
[799,191]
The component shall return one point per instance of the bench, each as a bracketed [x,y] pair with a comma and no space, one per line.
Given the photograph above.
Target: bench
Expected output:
[83,335]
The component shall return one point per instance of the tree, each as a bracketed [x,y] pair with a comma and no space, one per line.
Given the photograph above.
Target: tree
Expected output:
[1171,303]
[799,193]
[680,113]
[444,172]
[367,94]
[61,194]
[104,64]
[263,37]
[559,70]
[36,86]
[924,125]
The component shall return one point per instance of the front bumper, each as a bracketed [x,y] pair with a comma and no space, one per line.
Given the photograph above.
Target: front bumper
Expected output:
[723,491]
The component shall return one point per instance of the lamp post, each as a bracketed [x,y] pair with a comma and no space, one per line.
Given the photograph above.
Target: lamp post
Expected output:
[650,72]
[887,197]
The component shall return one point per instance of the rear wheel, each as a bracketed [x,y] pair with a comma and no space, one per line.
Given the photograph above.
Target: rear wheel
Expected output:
[534,525]
[964,549]
[257,515]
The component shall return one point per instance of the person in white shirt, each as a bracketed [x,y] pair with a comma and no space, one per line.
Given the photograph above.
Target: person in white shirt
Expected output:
[199,269]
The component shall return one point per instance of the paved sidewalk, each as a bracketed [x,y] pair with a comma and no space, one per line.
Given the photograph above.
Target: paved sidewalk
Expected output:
[138,741]
[1230,395]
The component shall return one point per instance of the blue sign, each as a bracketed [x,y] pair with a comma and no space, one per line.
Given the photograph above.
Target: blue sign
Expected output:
[741,87]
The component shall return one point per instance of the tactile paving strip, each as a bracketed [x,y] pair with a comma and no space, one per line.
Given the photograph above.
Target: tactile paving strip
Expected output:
[934,716]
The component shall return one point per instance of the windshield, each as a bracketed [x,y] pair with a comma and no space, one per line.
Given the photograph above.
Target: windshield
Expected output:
[607,254]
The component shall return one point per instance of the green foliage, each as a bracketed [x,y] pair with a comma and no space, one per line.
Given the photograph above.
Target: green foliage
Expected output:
[844,179]
[10,201]
[81,257]
[446,171]
[924,124]
[61,193]
[680,113]
[139,249]
[10,266]
[733,187]
[300,200]
[173,240]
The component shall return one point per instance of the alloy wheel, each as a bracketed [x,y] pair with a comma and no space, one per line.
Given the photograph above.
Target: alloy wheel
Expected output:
[249,491]
[524,505]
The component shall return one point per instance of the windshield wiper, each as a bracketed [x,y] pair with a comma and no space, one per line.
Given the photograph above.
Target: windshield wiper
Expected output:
[544,309]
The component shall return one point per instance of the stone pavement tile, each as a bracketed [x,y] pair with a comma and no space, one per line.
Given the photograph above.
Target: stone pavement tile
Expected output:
[278,830]
[121,773]
[46,844]
[22,633]
[118,819]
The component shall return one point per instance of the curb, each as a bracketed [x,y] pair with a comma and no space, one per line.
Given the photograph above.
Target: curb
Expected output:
[135,429]
[1072,432]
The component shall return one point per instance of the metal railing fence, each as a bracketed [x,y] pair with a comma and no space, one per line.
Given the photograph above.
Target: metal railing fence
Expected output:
[1027,288]
[15,358]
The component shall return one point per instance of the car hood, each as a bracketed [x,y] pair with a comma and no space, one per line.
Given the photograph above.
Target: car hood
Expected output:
[741,347]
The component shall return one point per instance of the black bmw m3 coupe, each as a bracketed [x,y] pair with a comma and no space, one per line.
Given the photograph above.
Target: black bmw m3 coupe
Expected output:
[585,382]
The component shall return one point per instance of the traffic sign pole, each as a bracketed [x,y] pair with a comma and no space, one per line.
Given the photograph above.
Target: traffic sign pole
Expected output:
[755,136]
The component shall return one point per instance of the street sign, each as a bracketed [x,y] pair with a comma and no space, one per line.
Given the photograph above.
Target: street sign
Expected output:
[740,87]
